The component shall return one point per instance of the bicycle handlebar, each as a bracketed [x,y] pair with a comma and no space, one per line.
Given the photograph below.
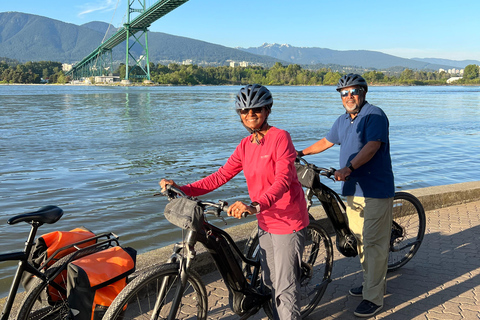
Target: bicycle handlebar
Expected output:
[171,193]
[321,171]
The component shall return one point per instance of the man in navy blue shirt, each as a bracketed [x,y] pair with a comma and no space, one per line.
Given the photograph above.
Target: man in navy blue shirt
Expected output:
[363,135]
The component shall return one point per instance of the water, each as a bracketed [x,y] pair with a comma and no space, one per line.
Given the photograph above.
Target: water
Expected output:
[99,152]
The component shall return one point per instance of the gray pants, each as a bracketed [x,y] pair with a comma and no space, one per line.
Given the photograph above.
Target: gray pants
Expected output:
[281,258]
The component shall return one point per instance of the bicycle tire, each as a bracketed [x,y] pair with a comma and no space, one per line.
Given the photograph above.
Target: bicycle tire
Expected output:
[137,299]
[317,266]
[408,230]
[34,304]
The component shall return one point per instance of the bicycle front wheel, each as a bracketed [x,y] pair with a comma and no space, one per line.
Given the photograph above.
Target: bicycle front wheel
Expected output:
[317,265]
[408,229]
[158,285]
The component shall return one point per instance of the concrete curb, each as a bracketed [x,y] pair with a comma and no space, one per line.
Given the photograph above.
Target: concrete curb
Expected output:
[431,198]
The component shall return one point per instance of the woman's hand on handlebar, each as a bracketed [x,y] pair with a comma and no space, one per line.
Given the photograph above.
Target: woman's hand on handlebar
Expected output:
[164,182]
[237,209]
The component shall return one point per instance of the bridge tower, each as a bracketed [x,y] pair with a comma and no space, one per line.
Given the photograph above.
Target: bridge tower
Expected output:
[96,63]
[141,64]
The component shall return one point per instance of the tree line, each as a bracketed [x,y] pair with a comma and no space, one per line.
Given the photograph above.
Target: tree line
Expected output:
[31,72]
[292,74]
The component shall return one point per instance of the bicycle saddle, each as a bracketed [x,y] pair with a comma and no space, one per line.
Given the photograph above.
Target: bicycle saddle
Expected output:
[47,214]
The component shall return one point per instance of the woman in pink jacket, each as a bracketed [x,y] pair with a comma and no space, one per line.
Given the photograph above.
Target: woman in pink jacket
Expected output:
[267,158]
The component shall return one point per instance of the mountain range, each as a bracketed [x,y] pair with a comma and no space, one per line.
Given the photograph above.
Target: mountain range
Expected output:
[27,37]
[360,58]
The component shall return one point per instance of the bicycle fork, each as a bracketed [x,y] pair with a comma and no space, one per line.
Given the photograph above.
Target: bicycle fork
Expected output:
[184,264]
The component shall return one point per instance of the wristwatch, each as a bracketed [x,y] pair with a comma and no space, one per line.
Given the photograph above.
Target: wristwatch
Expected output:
[255,205]
[351,167]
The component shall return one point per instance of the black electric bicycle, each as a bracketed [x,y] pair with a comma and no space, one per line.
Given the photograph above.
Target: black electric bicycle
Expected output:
[175,290]
[35,305]
[408,227]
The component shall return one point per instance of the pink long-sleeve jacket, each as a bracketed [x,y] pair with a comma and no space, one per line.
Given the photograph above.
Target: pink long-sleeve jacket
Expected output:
[271,180]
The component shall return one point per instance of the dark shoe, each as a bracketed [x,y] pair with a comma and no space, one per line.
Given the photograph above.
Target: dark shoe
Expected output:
[356,292]
[366,309]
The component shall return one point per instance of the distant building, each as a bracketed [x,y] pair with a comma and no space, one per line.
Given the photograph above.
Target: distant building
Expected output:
[243,64]
[453,79]
[66,67]
[107,79]
[452,71]
[187,62]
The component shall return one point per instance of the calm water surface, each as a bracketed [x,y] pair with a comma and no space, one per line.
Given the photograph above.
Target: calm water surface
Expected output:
[99,152]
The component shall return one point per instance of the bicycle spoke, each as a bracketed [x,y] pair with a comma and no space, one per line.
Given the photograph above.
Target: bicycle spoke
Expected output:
[408,229]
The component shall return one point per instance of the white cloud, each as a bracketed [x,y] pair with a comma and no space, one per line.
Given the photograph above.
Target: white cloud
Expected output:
[102,6]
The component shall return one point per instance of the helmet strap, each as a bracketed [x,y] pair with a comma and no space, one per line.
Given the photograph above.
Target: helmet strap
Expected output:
[257,136]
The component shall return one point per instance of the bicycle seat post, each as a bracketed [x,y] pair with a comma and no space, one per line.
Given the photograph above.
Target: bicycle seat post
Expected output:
[31,237]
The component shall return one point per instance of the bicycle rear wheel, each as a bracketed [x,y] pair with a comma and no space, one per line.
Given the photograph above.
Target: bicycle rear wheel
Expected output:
[43,301]
[408,229]
[137,300]
[317,266]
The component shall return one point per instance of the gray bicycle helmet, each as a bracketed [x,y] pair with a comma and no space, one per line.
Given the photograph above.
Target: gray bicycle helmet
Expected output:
[351,80]
[253,96]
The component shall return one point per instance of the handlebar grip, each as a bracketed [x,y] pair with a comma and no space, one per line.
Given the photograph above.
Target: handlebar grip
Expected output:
[244,215]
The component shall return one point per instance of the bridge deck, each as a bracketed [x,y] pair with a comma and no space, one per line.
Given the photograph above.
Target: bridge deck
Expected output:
[144,20]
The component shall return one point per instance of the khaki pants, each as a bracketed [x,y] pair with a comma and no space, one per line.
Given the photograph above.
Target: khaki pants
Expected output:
[370,220]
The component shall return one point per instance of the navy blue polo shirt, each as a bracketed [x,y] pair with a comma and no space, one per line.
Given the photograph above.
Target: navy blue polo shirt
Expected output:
[374,179]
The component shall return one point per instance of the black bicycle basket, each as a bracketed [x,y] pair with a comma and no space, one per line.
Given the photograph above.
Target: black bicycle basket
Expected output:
[185,213]
[306,175]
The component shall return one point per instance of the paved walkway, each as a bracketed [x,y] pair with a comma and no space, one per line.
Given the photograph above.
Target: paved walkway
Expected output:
[441,282]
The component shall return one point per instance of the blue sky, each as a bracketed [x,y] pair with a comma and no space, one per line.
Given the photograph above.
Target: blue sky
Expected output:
[408,28]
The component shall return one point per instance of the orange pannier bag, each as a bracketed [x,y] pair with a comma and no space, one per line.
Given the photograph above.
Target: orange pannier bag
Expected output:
[95,280]
[45,246]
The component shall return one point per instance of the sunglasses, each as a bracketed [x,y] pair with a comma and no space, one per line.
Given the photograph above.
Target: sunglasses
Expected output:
[353,92]
[254,110]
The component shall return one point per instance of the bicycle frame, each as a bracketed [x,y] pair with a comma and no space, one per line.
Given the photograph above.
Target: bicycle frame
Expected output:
[335,210]
[23,266]
[243,294]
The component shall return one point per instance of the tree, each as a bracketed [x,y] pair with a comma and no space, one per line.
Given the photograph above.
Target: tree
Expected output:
[407,74]
[331,78]
[373,76]
[471,71]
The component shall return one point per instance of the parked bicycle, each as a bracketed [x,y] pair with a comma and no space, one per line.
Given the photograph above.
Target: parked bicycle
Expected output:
[176,291]
[34,305]
[408,227]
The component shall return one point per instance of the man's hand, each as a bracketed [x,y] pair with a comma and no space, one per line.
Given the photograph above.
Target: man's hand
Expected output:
[342,174]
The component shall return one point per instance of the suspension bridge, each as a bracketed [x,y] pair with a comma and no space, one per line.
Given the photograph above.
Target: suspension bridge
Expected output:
[101,59]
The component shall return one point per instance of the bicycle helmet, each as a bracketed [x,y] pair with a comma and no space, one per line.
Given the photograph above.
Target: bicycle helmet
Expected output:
[351,80]
[253,96]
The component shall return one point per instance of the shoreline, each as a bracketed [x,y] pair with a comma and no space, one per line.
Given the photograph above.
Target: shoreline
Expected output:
[223,85]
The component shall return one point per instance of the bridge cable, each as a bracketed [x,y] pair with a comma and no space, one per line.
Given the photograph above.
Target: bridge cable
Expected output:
[106,32]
